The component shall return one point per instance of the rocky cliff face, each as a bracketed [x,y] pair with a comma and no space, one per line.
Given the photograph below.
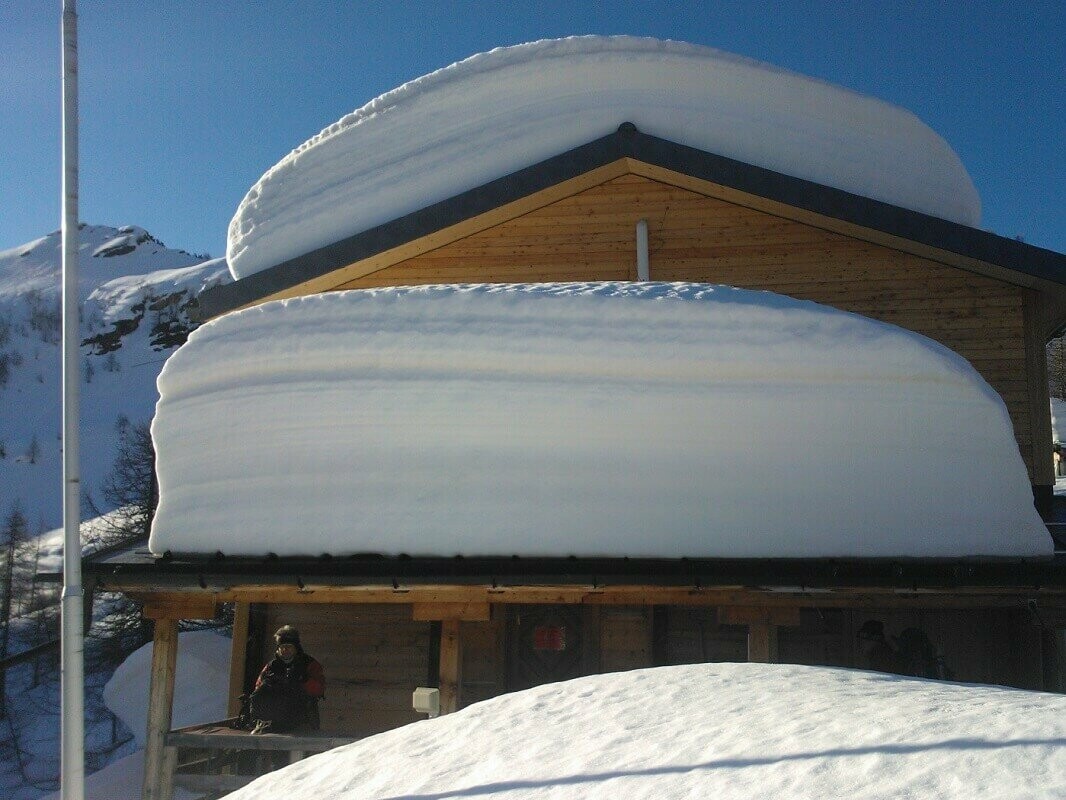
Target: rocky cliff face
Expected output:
[135,297]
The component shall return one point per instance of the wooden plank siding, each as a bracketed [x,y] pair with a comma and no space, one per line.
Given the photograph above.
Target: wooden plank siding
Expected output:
[625,638]
[999,646]
[375,655]
[694,237]
[483,651]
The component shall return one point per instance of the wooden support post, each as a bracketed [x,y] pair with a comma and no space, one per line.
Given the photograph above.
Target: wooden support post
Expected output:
[160,706]
[762,643]
[762,622]
[170,764]
[450,666]
[238,656]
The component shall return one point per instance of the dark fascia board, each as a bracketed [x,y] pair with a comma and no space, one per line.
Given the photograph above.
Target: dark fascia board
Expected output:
[138,567]
[628,142]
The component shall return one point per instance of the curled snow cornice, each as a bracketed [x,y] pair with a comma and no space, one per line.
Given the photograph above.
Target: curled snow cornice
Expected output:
[497,112]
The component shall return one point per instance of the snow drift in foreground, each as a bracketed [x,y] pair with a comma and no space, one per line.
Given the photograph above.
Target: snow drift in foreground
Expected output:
[603,419]
[498,112]
[710,730]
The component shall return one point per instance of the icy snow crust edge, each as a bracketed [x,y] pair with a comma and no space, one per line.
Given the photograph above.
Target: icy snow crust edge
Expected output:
[604,419]
[494,113]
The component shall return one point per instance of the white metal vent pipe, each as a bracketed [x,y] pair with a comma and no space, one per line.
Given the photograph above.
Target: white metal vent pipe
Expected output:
[642,250]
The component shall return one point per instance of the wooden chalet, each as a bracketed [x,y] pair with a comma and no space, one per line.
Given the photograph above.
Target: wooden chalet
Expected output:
[476,628]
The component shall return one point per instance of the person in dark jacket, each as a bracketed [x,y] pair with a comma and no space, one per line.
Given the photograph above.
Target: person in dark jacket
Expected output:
[878,653]
[289,687]
[919,656]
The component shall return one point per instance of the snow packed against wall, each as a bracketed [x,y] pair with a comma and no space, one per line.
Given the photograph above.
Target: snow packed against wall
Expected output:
[498,112]
[600,419]
[727,731]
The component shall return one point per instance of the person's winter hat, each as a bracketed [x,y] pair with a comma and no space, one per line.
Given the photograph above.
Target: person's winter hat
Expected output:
[287,634]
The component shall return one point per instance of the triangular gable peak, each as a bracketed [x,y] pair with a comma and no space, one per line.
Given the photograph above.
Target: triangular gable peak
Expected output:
[628,153]
[711,219]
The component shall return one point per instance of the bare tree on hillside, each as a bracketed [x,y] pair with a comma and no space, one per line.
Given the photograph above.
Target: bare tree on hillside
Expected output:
[130,486]
[13,538]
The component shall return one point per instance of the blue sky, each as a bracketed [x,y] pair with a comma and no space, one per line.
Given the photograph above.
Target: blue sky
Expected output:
[184,104]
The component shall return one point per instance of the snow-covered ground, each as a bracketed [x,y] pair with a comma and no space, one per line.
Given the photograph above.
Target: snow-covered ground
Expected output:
[497,112]
[134,293]
[612,419]
[199,696]
[710,730]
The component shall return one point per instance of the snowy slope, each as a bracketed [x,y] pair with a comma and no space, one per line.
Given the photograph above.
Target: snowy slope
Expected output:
[497,112]
[133,291]
[202,667]
[724,731]
[601,419]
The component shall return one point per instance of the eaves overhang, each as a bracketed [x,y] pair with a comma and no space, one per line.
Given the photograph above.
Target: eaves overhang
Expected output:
[1030,265]
[136,569]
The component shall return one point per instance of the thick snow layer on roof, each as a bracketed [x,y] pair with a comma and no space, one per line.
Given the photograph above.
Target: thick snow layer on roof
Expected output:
[611,419]
[497,112]
[726,731]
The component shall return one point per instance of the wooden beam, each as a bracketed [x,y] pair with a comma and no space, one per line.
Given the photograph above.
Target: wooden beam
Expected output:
[467,612]
[238,657]
[170,765]
[759,615]
[450,666]
[843,597]
[160,707]
[181,606]
[762,643]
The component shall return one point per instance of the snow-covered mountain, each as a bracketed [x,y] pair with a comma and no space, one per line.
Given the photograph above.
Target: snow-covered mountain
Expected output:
[135,295]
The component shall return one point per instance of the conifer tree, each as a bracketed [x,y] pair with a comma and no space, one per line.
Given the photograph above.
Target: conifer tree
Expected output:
[14,535]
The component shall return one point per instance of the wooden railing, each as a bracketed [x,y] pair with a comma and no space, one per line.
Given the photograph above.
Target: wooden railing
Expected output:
[215,758]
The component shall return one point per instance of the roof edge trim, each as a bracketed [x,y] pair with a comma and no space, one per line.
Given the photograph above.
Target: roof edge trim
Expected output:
[629,143]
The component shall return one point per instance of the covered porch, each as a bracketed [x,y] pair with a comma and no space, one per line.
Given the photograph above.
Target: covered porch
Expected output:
[477,628]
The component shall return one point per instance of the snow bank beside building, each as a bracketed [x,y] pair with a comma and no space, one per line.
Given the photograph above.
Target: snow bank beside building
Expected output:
[200,682]
[1058,419]
[710,730]
[199,696]
[604,419]
[497,112]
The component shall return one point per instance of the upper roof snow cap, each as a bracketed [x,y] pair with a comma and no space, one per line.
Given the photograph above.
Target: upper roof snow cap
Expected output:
[494,113]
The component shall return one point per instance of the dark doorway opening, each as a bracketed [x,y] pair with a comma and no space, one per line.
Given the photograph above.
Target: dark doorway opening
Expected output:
[544,644]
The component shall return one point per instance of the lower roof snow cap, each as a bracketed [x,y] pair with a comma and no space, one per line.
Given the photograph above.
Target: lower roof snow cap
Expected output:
[602,419]
[497,112]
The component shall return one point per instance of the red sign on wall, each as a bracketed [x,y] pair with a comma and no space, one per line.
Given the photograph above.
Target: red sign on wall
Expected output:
[549,637]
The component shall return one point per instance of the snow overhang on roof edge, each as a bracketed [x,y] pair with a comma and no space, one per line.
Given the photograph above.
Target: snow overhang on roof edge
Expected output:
[628,142]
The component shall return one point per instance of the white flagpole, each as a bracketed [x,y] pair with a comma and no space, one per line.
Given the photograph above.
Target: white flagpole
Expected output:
[72,659]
